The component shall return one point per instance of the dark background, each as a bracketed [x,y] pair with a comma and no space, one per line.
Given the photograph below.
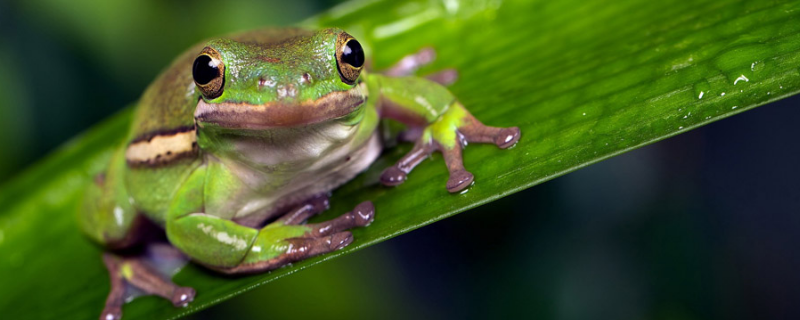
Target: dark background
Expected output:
[700,226]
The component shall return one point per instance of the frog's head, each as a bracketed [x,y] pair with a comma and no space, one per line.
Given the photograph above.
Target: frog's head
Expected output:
[279,78]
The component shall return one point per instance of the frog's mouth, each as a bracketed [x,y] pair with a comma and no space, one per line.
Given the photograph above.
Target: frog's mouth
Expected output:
[239,115]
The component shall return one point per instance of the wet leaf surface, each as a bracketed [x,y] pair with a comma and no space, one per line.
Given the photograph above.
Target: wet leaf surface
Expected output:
[584,80]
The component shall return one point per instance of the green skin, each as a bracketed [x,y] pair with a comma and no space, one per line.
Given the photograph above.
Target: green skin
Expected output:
[213,199]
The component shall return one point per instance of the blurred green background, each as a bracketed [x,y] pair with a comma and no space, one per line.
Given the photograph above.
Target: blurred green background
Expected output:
[701,226]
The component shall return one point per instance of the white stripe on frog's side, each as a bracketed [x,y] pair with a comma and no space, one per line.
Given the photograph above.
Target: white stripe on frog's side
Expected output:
[162,147]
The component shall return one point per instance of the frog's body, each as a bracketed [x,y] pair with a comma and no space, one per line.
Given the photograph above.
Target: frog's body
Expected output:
[263,124]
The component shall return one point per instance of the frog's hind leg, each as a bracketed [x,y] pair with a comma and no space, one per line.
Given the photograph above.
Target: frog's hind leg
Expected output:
[107,215]
[138,272]
[109,218]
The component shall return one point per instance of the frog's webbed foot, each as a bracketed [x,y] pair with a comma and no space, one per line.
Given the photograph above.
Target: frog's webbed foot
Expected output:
[409,64]
[319,238]
[449,135]
[361,216]
[138,273]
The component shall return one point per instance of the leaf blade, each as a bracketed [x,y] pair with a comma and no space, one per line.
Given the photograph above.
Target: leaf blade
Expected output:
[585,81]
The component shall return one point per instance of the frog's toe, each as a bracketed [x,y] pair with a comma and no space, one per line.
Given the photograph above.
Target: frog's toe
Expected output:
[302,248]
[182,296]
[364,213]
[111,313]
[361,216]
[459,180]
[506,137]
[475,131]
[393,176]
[340,240]
[398,173]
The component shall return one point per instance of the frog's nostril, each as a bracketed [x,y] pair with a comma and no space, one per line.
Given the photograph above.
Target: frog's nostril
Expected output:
[306,78]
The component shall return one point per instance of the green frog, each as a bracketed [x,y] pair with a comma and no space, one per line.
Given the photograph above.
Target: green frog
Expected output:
[242,138]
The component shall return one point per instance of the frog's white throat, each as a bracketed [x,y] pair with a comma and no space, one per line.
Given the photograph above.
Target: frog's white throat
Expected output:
[281,166]
[282,140]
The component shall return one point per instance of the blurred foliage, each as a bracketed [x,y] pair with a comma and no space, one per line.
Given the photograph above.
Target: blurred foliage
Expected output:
[586,81]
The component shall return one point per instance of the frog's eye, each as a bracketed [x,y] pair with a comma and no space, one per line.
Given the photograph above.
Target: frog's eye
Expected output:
[208,72]
[349,58]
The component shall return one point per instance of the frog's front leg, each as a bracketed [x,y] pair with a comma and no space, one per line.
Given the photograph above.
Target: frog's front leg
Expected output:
[446,127]
[318,238]
[228,247]
[409,65]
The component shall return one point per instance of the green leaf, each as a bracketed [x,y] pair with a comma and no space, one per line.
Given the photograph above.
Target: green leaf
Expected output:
[584,80]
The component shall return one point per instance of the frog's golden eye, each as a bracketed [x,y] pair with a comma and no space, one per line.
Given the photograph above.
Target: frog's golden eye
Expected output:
[208,72]
[349,58]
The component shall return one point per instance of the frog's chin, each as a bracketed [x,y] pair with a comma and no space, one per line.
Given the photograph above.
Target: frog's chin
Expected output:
[240,115]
